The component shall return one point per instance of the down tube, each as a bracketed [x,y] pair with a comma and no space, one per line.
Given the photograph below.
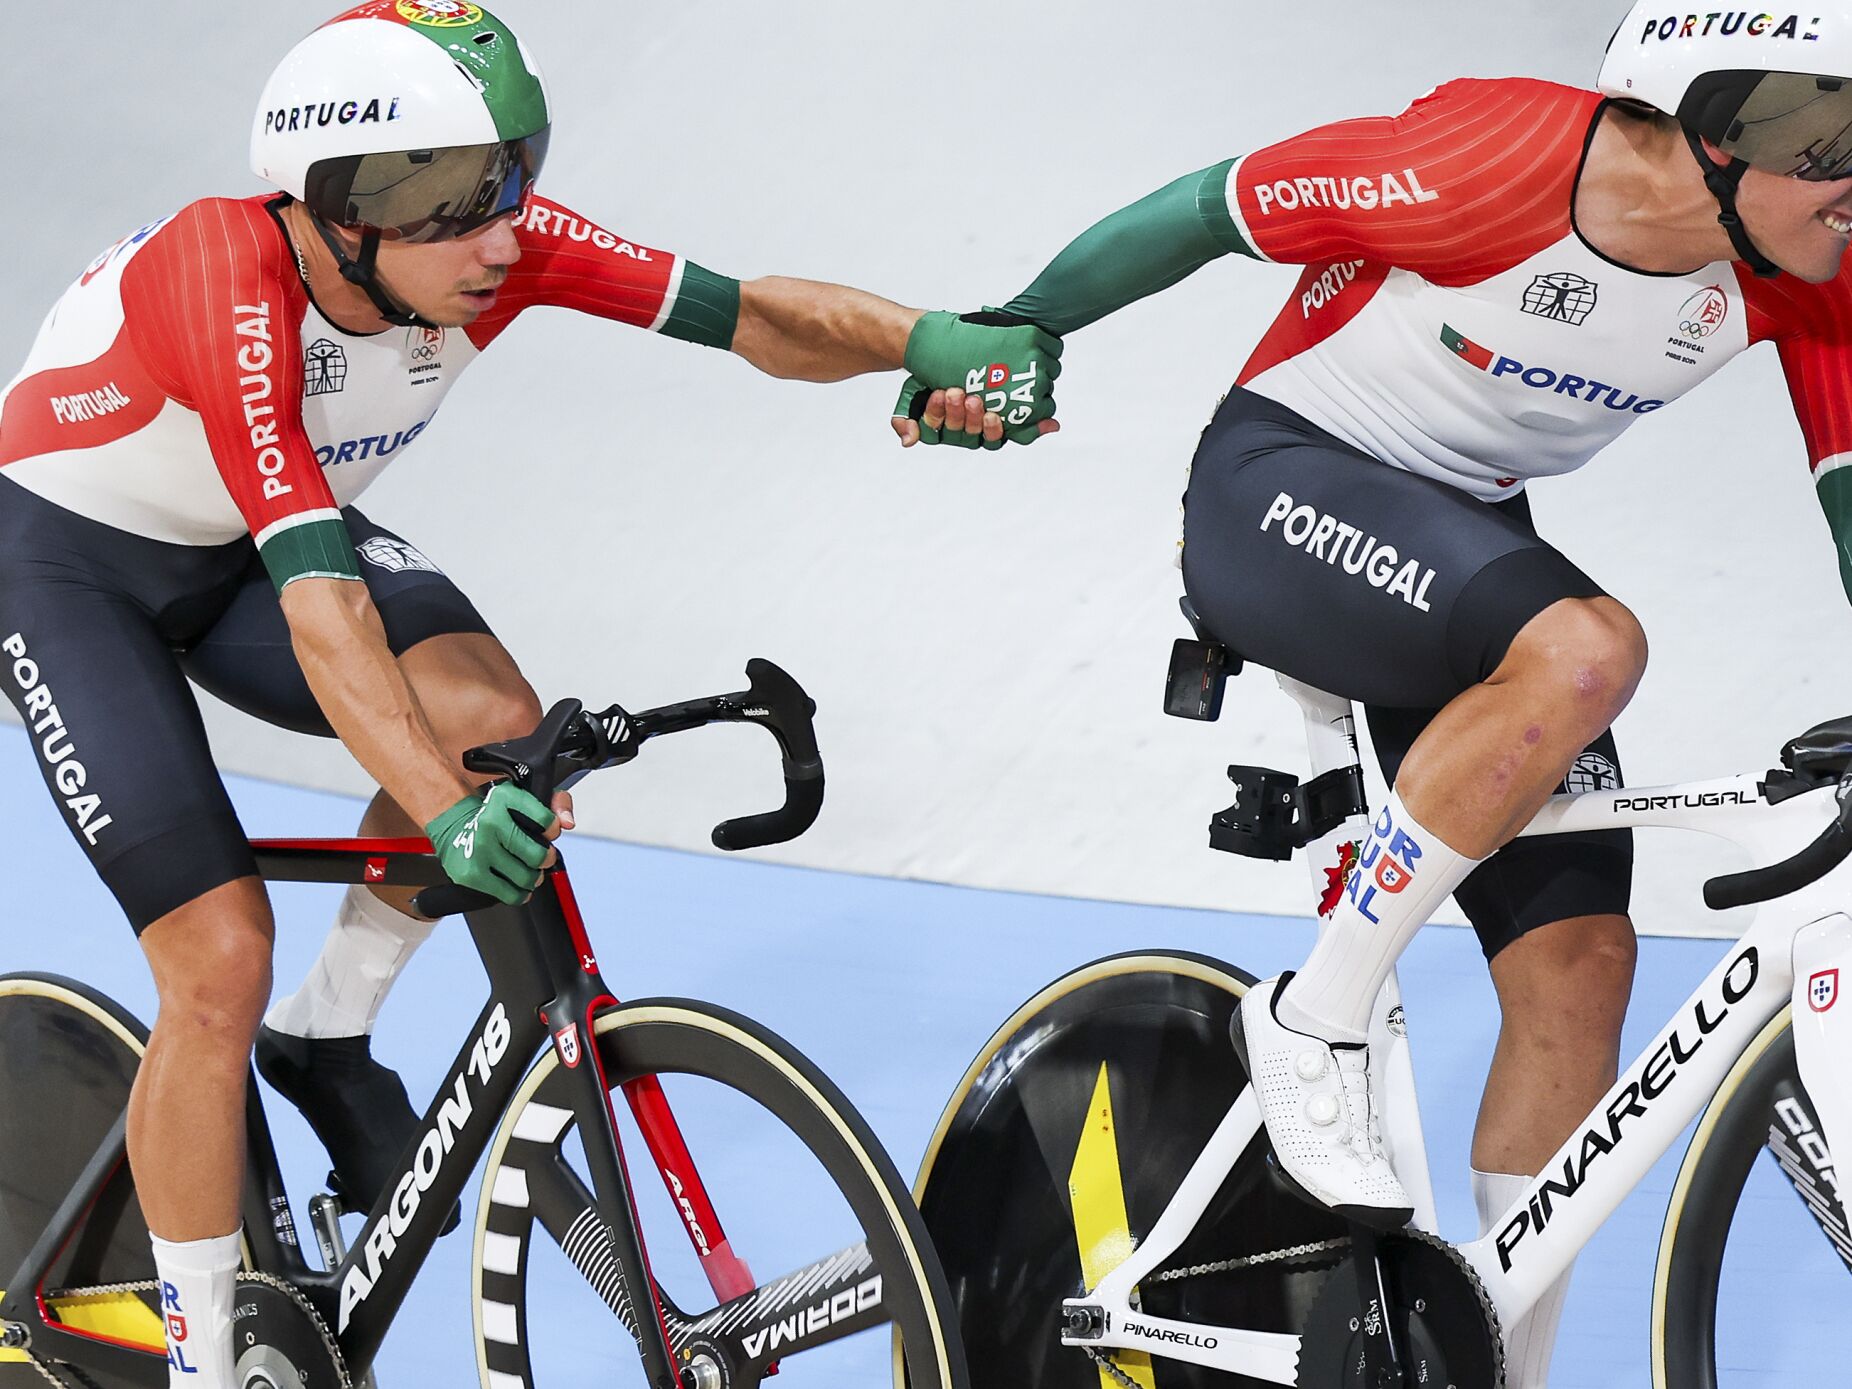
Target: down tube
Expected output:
[1531,1244]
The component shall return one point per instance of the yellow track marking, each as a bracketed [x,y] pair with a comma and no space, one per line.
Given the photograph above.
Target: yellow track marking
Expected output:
[1101,1226]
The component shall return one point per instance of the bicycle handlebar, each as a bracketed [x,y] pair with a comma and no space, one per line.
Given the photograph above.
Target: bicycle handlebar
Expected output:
[1822,856]
[570,743]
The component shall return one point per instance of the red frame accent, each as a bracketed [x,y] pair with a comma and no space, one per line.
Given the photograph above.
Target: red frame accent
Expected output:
[348,846]
[569,904]
[727,1274]
[45,1312]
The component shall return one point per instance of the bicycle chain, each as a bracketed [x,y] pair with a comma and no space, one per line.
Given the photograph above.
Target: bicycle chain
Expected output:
[1171,1275]
[1272,1256]
[1111,1367]
[152,1285]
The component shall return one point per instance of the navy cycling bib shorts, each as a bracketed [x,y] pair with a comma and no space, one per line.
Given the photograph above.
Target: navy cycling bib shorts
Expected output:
[100,631]
[1309,557]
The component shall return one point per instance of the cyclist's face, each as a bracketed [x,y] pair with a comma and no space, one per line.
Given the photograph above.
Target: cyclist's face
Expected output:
[1803,227]
[450,282]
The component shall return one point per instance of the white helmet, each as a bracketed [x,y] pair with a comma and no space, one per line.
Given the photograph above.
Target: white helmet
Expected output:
[1773,91]
[416,120]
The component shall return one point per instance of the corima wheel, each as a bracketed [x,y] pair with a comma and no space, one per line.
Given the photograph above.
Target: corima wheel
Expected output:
[806,1200]
[1064,1143]
[1755,1263]
[67,1059]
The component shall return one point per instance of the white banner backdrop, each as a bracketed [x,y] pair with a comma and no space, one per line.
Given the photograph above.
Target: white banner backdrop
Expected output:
[985,635]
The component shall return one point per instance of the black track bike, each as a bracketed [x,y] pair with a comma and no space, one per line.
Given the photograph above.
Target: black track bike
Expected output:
[550,1077]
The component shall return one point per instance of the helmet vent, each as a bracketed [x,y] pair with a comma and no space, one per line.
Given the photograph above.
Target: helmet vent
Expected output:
[487,37]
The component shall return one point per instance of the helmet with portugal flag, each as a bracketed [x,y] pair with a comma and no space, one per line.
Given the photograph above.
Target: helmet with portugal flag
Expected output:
[414,120]
[1774,91]
[1767,92]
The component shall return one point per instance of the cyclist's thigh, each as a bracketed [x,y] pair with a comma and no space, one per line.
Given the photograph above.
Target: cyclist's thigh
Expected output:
[1531,882]
[1317,561]
[246,658]
[117,735]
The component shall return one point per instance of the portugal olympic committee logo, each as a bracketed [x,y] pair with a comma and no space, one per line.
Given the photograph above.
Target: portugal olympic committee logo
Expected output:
[1703,313]
[439,14]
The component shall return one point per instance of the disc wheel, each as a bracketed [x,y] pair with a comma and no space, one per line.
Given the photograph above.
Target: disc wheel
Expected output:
[808,1200]
[67,1059]
[1064,1143]
[1755,1258]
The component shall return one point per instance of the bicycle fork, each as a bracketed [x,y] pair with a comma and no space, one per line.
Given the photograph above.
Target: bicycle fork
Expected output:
[1822,1022]
[571,1017]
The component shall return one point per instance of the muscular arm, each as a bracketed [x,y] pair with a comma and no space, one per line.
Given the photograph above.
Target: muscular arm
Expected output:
[1134,253]
[807,331]
[342,649]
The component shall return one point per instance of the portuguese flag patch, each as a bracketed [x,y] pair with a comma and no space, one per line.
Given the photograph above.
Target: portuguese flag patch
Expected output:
[1462,346]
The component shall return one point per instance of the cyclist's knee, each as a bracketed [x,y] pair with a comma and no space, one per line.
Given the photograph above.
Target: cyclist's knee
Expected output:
[1590,652]
[1568,976]
[212,966]
[493,714]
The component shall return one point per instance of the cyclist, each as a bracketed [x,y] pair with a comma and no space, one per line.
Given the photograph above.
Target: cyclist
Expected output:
[182,450]
[1497,282]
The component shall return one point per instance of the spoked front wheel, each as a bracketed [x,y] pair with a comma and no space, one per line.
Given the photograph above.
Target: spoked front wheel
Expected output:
[817,1238]
[1755,1263]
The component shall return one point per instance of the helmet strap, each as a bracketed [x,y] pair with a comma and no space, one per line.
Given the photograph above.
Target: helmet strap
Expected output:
[1722,180]
[361,272]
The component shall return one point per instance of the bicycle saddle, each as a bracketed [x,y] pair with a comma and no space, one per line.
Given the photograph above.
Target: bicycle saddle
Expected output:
[1822,753]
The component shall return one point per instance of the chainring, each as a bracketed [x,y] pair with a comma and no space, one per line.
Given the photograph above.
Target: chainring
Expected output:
[1448,1327]
[279,1341]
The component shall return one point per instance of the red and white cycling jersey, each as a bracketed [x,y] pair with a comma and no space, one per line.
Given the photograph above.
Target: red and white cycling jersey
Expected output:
[1451,321]
[187,389]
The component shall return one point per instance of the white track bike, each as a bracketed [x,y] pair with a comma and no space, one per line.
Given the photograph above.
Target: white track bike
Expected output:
[1099,1186]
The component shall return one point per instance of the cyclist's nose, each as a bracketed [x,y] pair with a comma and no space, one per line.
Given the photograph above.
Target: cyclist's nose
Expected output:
[498,244]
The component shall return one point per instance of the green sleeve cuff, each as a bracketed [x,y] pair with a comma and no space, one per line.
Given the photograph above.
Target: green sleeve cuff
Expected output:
[1136,252]
[1835,492]
[318,549]
[706,308]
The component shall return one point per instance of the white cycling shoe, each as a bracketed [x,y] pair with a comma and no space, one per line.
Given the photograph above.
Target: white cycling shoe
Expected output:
[1315,1100]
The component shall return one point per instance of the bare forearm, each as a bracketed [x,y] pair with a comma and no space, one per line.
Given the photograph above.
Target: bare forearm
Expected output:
[343,652]
[809,331]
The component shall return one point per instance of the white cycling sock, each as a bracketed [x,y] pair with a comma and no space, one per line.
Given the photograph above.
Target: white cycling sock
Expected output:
[364,953]
[1528,1344]
[1403,873]
[197,1278]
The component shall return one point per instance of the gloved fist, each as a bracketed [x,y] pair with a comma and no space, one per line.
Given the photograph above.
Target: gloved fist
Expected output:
[977,380]
[482,845]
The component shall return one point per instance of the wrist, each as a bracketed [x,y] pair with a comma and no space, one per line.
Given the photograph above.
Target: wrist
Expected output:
[445,821]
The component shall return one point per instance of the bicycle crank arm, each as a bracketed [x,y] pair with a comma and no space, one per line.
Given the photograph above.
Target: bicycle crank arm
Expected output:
[1271,1356]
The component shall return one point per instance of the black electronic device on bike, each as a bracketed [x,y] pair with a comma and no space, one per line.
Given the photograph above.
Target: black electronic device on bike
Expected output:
[1199,671]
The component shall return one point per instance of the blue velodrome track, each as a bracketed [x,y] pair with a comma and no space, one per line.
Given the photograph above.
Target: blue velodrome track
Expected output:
[890,986]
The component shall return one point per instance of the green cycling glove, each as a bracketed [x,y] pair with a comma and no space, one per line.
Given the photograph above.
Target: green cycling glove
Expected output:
[481,847]
[1000,356]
